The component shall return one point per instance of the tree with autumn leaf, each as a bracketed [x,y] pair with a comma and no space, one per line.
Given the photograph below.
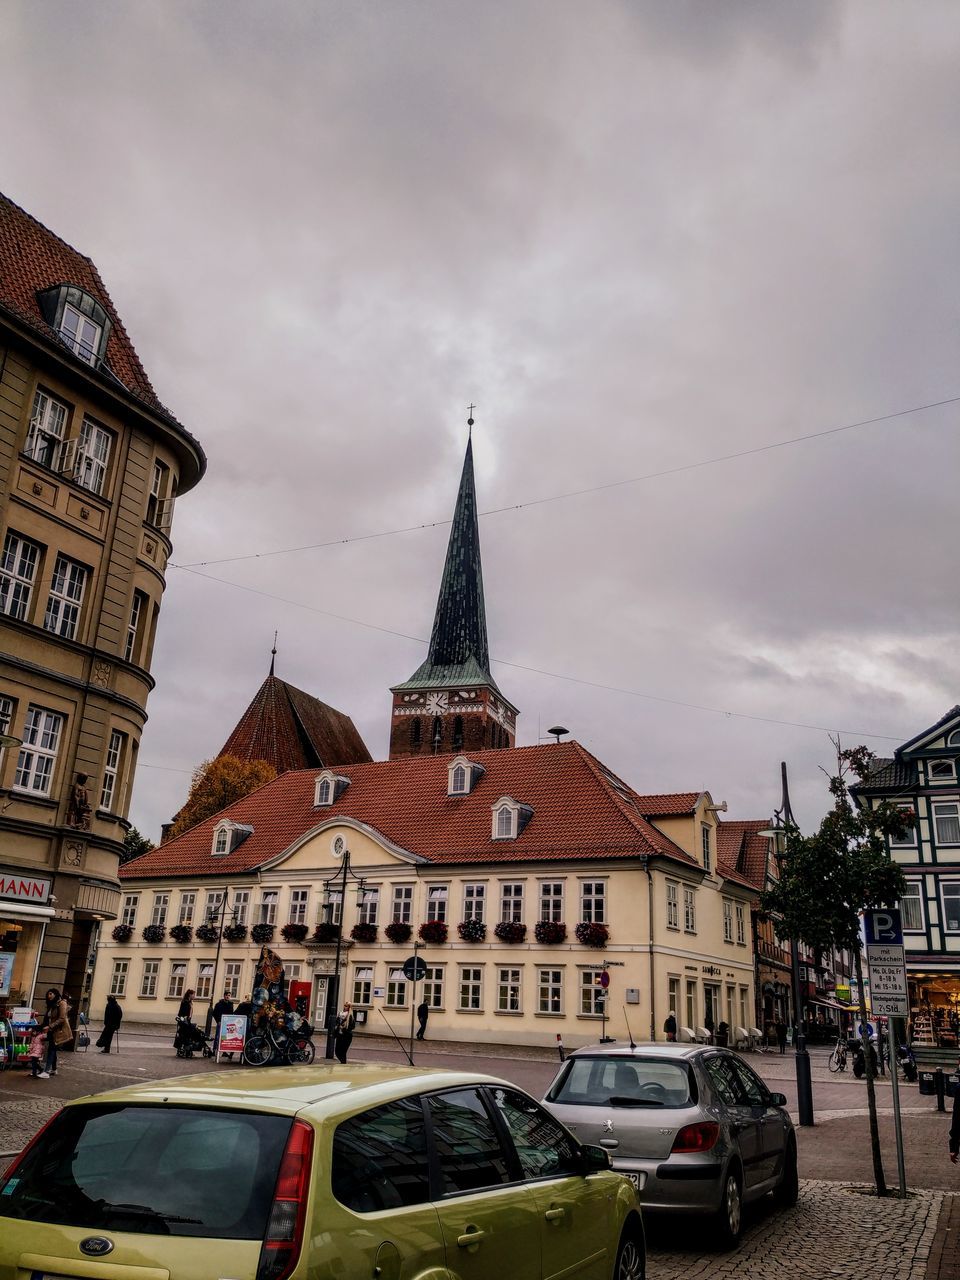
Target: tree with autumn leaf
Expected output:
[218,783]
[828,879]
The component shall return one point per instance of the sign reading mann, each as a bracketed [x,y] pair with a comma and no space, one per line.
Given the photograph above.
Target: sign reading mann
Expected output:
[17,886]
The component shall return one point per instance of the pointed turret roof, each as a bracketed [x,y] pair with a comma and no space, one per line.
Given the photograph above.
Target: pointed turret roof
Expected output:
[293,730]
[458,653]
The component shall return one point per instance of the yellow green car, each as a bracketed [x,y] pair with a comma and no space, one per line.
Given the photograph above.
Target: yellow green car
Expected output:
[315,1172]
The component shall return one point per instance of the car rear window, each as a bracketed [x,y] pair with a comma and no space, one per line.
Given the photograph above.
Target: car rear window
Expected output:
[158,1170]
[608,1080]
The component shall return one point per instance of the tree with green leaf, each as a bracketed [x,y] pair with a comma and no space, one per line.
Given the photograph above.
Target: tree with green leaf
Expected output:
[134,844]
[218,783]
[829,878]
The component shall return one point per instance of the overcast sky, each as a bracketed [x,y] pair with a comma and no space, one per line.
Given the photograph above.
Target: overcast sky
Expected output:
[638,236]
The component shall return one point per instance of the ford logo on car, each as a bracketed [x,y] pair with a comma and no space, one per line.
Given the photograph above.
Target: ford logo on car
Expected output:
[96,1246]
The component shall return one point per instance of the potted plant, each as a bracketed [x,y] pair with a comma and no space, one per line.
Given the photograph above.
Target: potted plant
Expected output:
[235,932]
[181,933]
[511,931]
[326,931]
[364,932]
[434,932]
[262,933]
[207,933]
[294,932]
[398,931]
[122,933]
[472,930]
[592,935]
[154,933]
[550,932]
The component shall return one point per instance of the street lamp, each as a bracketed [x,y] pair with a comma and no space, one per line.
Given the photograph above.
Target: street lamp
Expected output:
[215,914]
[783,822]
[341,852]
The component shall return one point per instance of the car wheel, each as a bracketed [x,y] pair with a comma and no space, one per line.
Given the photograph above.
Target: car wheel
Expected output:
[730,1214]
[788,1188]
[631,1260]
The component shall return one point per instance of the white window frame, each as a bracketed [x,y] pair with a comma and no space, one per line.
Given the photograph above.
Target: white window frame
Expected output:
[437,899]
[591,994]
[241,906]
[946,779]
[741,916]
[18,573]
[691,1003]
[551,901]
[433,984]
[403,903]
[509,990]
[362,984]
[232,973]
[133,626]
[221,840]
[204,988]
[269,901]
[149,979]
[299,904]
[727,920]
[504,822]
[908,841]
[689,910]
[550,991]
[705,845]
[48,421]
[458,780]
[593,901]
[470,995]
[332,898]
[211,908]
[954,807]
[474,902]
[93,456]
[159,909]
[673,904]
[65,600]
[156,506]
[368,905]
[37,760]
[178,980]
[188,907]
[118,979]
[914,893]
[111,770]
[396,995]
[128,913]
[84,337]
[954,896]
[324,793]
[511,902]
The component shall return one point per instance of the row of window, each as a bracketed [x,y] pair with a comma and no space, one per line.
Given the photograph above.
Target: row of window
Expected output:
[471,989]
[151,986]
[41,735]
[85,457]
[21,569]
[240,908]
[913,911]
[946,825]
[708,1004]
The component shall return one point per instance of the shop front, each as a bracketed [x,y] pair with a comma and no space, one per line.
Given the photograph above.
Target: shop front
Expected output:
[24,912]
[935,1004]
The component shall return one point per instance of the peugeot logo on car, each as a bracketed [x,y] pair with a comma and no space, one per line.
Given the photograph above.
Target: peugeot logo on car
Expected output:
[96,1246]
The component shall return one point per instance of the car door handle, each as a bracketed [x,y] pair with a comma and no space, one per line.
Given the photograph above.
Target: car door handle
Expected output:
[554,1215]
[610,1144]
[470,1238]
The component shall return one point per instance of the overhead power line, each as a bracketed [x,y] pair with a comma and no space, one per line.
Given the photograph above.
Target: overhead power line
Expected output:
[578,493]
[553,675]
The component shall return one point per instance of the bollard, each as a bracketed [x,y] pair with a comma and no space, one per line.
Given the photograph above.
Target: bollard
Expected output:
[940,1087]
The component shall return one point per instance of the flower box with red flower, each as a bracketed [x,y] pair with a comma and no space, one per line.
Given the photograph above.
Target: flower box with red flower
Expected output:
[364,932]
[550,932]
[592,934]
[434,932]
[511,931]
[398,931]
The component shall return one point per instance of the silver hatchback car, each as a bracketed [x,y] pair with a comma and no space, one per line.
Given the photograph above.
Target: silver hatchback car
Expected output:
[694,1128]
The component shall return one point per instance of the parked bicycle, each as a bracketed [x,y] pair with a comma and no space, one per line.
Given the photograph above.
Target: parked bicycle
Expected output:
[838,1059]
[277,1045]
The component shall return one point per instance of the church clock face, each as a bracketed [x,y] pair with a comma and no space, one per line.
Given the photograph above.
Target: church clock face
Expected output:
[437,703]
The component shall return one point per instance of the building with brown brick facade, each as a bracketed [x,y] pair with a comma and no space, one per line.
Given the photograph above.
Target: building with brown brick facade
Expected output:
[90,464]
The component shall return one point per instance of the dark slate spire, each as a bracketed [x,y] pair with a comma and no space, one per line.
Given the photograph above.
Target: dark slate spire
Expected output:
[458,651]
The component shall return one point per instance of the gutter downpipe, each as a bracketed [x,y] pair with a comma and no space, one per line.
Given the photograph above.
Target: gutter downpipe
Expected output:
[645,863]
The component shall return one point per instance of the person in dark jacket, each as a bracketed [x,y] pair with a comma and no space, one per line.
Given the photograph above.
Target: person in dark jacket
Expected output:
[423,1013]
[344,1032]
[184,1015]
[112,1017]
[223,1005]
[670,1026]
[56,1019]
[781,1029]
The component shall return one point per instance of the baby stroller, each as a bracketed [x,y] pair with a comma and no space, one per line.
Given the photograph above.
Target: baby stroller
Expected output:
[190,1040]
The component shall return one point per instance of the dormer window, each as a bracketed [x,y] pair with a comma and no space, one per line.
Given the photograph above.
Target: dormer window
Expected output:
[329,788]
[942,771]
[462,776]
[81,334]
[509,818]
[228,836]
[78,319]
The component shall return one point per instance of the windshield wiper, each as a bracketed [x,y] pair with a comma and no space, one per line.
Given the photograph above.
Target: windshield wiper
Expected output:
[144,1211]
[619,1101]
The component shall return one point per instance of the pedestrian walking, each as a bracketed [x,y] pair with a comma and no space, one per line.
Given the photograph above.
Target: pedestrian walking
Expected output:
[344,1032]
[423,1012]
[184,1016]
[37,1052]
[670,1026]
[781,1029]
[56,1020]
[112,1017]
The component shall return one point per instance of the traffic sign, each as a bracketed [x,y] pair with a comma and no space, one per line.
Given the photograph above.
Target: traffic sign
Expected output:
[414,969]
[604,979]
[883,926]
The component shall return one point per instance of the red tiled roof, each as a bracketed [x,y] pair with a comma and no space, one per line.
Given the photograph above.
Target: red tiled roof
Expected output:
[674,805]
[742,851]
[32,258]
[578,812]
[293,730]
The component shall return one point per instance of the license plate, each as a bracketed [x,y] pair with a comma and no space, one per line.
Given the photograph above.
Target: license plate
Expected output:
[638,1179]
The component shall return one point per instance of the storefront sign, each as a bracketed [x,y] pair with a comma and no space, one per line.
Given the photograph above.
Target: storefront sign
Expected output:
[16,886]
[233,1032]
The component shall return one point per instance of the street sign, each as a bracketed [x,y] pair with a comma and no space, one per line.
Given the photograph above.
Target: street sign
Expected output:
[889,997]
[604,979]
[883,925]
[415,969]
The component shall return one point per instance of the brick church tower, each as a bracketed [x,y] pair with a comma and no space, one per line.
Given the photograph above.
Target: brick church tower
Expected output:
[451,702]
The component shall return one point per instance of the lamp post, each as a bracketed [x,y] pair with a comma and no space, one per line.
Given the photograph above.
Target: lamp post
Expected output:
[219,911]
[784,822]
[340,851]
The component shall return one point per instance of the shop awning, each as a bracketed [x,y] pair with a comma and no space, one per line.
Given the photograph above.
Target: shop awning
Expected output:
[833,1004]
[24,911]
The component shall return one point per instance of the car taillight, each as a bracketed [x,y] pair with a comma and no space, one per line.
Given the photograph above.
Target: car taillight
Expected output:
[696,1137]
[11,1170]
[284,1235]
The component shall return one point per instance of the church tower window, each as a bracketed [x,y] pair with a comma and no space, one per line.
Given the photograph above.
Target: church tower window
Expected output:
[416,729]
